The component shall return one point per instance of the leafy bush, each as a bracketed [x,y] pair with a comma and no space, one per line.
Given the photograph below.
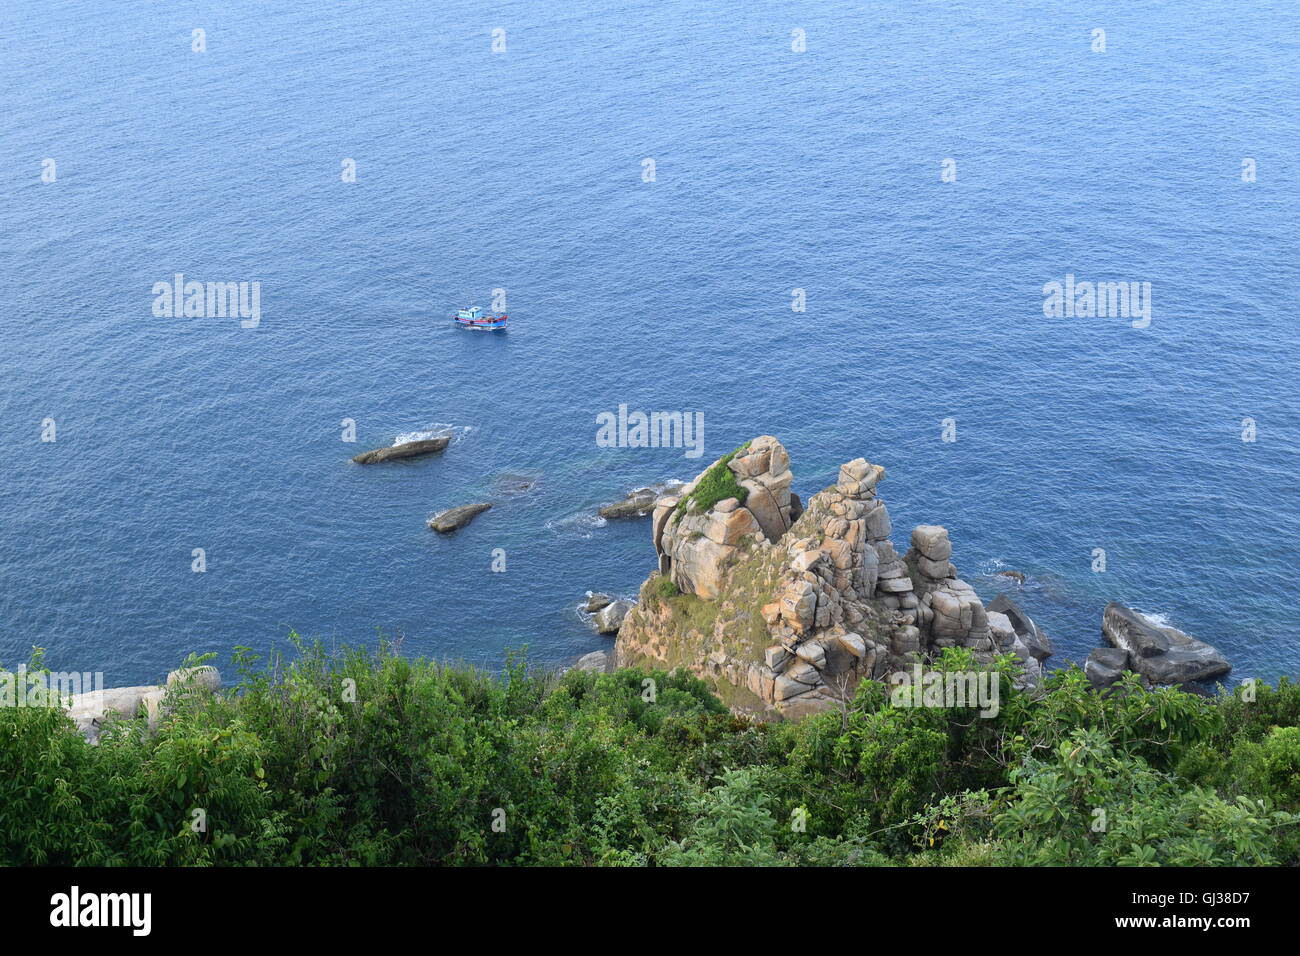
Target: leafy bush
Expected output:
[366,757]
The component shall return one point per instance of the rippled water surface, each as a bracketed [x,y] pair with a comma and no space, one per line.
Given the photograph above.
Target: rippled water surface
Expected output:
[775,170]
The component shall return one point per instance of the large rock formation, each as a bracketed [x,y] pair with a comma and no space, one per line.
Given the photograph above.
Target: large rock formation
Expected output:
[695,547]
[784,609]
[1163,655]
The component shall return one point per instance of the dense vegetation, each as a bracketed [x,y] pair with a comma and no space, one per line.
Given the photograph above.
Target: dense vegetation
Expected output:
[372,758]
[717,484]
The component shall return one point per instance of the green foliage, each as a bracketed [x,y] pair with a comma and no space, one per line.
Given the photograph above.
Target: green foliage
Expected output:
[368,758]
[665,587]
[717,484]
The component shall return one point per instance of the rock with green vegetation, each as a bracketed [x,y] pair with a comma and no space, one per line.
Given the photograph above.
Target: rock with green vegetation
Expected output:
[93,710]
[785,609]
[738,502]
[598,661]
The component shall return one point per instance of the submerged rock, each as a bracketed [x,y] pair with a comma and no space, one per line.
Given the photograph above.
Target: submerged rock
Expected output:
[514,484]
[639,502]
[410,449]
[1163,655]
[455,518]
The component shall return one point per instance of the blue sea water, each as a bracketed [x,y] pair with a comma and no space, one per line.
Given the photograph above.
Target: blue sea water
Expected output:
[522,170]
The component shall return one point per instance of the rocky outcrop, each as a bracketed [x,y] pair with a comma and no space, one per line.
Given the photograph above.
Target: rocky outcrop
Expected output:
[785,608]
[696,545]
[94,710]
[410,449]
[639,502]
[610,617]
[455,518]
[1163,655]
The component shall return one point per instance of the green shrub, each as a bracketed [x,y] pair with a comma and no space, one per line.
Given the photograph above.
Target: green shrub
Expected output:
[365,757]
[717,484]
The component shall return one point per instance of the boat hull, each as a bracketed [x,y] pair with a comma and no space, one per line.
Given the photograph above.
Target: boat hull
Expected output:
[493,324]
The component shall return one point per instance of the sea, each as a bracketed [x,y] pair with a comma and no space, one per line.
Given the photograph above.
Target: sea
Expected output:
[830,222]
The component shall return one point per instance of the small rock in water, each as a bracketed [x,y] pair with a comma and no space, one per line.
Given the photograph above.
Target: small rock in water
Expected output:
[1017,576]
[455,518]
[410,449]
[639,502]
[610,618]
[596,601]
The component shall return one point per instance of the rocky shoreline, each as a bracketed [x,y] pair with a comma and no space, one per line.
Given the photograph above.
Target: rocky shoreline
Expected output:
[783,608]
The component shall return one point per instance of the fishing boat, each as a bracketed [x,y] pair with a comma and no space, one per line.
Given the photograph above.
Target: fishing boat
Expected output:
[473,318]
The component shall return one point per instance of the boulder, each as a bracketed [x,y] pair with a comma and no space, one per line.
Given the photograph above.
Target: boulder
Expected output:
[455,518]
[1038,643]
[111,701]
[410,449]
[805,705]
[598,661]
[812,653]
[595,602]
[854,644]
[206,678]
[1105,665]
[932,541]
[610,618]
[1163,655]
